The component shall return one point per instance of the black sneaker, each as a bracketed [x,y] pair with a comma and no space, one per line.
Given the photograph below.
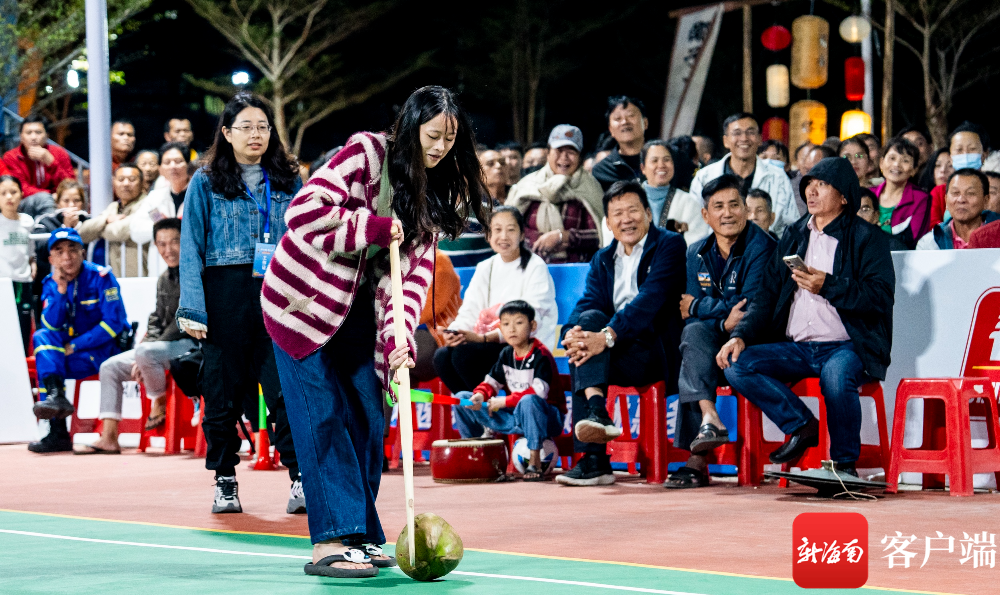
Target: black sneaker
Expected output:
[52,444]
[592,470]
[597,428]
[227,496]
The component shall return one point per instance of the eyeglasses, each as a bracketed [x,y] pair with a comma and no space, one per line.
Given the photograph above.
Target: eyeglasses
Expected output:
[749,133]
[262,129]
[855,157]
[866,209]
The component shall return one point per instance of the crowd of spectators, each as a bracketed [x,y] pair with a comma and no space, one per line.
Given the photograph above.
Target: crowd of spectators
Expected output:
[762,265]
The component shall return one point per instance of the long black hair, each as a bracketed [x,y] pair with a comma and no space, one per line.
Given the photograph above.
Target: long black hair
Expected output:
[926,178]
[439,199]
[519,219]
[220,162]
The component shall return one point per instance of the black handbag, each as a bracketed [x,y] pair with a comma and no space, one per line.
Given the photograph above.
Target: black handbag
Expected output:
[126,338]
[186,370]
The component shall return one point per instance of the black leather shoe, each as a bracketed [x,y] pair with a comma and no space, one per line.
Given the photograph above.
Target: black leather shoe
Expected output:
[52,444]
[791,450]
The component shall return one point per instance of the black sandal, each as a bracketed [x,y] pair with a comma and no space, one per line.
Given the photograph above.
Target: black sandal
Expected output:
[374,550]
[324,567]
[536,474]
[709,438]
[687,477]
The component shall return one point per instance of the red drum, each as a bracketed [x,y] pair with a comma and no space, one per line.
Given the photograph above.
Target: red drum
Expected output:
[473,460]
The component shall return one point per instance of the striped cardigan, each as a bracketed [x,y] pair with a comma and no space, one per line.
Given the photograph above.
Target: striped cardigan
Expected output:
[317,267]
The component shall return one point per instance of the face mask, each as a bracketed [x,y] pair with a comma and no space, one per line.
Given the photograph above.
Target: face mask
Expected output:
[776,163]
[967,161]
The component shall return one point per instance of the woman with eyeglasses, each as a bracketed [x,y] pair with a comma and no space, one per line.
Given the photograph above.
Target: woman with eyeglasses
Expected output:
[234,215]
[855,150]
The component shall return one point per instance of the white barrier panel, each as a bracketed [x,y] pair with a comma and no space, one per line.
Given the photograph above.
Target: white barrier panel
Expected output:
[139,297]
[17,422]
[945,324]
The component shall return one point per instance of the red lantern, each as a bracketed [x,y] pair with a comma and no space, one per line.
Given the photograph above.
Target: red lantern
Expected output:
[775,129]
[854,78]
[776,38]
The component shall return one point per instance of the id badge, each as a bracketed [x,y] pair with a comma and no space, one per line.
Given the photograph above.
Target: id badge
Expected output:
[262,259]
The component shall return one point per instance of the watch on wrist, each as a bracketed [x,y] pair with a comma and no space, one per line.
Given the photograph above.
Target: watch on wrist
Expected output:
[609,339]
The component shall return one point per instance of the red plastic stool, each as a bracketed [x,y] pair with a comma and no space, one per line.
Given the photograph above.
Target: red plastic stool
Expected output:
[87,426]
[176,427]
[957,458]
[77,425]
[754,450]
[651,449]
[422,439]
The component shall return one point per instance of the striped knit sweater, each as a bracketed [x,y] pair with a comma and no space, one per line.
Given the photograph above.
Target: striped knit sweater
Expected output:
[317,267]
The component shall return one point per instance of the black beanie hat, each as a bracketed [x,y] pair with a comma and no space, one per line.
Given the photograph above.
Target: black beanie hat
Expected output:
[837,172]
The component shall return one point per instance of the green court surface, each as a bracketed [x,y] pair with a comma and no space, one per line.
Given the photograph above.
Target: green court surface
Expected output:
[53,554]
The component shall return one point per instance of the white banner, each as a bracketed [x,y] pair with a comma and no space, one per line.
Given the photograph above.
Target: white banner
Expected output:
[17,422]
[694,44]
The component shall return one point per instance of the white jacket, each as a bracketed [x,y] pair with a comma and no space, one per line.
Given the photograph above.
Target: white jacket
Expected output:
[768,178]
[158,199]
[498,282]
[683,208]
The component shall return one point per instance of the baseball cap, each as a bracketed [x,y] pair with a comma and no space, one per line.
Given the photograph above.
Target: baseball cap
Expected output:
[64,233]
[566,135]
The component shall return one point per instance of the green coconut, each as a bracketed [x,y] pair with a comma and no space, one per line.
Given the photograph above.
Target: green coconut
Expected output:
[438,548]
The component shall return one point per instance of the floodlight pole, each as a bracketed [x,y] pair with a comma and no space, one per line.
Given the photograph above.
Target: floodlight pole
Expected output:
[98,105]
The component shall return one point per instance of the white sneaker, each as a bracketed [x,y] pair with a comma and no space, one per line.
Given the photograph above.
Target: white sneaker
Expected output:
[296,499]
[227,497]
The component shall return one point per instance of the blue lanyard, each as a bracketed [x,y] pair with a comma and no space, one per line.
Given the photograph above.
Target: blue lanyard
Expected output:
[265,212]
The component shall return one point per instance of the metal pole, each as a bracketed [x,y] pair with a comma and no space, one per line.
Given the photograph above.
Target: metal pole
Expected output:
[868,102]
[890,42]
[747,62]
[98,105]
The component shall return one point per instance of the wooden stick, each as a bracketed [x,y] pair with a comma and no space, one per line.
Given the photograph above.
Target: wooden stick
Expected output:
[405,411]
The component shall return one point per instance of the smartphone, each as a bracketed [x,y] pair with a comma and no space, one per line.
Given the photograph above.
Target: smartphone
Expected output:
[795,262]
[449,331]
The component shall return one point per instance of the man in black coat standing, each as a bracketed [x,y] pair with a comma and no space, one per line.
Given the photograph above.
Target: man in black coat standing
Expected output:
[830,318]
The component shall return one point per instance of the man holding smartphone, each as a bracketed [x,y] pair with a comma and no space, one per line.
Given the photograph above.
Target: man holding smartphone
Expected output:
[831,320]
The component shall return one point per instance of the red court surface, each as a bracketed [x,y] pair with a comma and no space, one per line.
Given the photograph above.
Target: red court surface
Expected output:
[723,528]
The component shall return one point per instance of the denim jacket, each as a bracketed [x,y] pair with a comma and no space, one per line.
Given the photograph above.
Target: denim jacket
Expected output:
[217,231]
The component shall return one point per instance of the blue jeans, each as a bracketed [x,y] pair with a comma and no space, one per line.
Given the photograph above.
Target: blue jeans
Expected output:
[762,371]
[334,403]
[533,418]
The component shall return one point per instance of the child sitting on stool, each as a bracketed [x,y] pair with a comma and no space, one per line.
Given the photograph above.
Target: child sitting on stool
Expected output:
[525,369]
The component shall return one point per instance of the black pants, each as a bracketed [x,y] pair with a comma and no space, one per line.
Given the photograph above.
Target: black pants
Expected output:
[426,348]
[464,367]
[239,354]
[23,299]
[700,376]
[633,362]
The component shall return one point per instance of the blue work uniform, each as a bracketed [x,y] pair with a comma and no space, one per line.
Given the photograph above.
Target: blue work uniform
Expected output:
[88,316]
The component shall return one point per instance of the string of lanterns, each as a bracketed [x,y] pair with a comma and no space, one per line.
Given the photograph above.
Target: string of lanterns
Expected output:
[810,55]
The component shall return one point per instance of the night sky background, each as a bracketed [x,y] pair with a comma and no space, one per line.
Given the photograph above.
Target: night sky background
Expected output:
[629,57]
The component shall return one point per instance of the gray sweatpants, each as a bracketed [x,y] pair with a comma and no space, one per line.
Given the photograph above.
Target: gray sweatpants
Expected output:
[152,358]
[699,376]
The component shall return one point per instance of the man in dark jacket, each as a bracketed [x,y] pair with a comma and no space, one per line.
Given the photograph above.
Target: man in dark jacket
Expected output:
[830,317]
[627,123]
[150,359]
[723,273]
[626,327]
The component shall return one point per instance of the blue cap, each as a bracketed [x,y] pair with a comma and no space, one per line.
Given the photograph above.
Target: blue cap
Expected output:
[64,233]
